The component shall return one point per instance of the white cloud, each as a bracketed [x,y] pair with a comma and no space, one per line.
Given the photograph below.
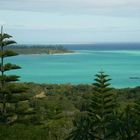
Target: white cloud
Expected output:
[26,26]
[67,5]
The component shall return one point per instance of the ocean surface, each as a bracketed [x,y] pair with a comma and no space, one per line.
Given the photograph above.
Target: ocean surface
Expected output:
[120,61]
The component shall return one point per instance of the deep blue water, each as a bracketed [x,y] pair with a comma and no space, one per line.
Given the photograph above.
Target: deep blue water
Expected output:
[120,61]
[106,46]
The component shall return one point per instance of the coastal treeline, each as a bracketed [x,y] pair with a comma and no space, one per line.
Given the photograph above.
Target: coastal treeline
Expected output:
[30,111]
[39,49]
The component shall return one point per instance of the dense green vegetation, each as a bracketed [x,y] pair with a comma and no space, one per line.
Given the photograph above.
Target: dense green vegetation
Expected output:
[104,118]
[39,49]
[9,92]
[30,111]
[60,109]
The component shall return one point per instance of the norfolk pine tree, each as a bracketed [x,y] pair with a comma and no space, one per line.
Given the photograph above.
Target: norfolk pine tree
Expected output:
[8,90]
[100,112]
[102,106]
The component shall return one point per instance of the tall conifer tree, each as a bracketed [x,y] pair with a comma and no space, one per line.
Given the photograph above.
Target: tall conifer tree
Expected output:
[102,105]
[100,112]
[8,90]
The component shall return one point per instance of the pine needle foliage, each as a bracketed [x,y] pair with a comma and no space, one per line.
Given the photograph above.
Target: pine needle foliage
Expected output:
[100,113]
[8,90]
[102,106]
[128,124]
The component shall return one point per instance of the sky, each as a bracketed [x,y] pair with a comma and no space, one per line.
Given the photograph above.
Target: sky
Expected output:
[71,21]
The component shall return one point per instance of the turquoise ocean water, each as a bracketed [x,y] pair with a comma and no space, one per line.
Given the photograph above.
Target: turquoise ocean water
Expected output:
[120,61]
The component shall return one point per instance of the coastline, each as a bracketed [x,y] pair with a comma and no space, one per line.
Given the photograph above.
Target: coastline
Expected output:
[81,65]
[39,54]
[40,49]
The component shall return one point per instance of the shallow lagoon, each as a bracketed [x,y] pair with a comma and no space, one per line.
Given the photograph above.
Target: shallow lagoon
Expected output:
[80,67]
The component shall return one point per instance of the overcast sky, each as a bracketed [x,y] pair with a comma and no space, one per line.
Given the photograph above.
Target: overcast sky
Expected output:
[71,21]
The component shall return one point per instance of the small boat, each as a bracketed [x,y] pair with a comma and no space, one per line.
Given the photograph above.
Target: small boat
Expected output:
[134,77]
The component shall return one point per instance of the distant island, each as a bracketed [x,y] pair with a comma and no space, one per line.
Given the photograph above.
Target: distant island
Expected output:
[40,49]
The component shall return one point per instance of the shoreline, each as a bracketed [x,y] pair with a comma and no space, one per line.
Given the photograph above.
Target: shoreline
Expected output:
[33,49]
[86,51]
[39,54]
[76,84]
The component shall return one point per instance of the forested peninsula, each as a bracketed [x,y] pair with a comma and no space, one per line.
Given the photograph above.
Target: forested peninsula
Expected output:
[39,49]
